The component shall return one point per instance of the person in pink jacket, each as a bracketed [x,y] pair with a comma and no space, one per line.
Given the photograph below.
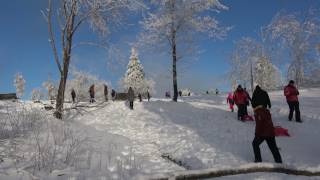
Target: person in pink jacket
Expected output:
[230,101]
[291,93]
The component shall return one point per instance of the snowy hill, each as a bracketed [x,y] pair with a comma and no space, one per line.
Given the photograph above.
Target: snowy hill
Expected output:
[160,137]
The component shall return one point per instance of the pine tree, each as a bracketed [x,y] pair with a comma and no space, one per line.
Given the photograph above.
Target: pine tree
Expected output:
[135,76]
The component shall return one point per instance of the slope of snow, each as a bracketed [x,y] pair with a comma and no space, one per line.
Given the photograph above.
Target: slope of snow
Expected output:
[198,131]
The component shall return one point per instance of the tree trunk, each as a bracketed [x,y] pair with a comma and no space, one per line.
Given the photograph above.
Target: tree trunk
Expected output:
[174,69]
[64,74]
[62,85]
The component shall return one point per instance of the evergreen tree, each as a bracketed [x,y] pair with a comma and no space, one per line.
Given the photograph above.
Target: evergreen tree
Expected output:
[135,76]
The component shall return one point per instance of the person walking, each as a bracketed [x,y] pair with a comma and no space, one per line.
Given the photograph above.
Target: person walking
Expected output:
[264,127]
[140,97]
[230,101]
[131,97]
[91,92]
[105,92]
[148,96]
[113,94]
[291,93]
[73,95]
[240,99]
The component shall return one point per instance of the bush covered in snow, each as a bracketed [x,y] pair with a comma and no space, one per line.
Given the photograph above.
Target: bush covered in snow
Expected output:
[19,83]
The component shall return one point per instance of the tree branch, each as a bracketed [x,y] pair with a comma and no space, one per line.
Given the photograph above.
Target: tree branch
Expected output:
[51,36]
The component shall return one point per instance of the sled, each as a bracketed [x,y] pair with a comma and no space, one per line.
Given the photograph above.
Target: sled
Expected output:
[247,118]
[280,131]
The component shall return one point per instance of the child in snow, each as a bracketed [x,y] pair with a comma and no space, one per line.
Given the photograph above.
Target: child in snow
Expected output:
[264,126]
[230,101]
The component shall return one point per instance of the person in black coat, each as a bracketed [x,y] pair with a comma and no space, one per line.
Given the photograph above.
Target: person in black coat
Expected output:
[148,95]
[264,127]
[105,92]
[73,95]
[260,97]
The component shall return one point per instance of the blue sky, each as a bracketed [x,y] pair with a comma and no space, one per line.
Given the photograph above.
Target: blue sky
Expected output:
[24,45]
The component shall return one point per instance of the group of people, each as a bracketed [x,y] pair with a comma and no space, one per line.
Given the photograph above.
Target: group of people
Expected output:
[92,94]
[264,130]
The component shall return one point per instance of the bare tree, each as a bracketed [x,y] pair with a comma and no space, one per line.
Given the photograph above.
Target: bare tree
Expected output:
[175,24]
[71,14]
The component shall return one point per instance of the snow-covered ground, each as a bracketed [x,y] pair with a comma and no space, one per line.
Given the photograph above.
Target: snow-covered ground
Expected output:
[198,132]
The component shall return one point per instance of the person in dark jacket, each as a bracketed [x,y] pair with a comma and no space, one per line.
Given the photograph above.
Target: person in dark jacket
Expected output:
[91,92]
[240,99]
[113,94]
[148,95]
[264,127]
[73,95]
[140,97]
[105,92]
[131,97]
[291,93]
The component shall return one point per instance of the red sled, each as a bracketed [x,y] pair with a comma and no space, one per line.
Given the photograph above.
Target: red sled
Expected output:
[247,118]
[280,131]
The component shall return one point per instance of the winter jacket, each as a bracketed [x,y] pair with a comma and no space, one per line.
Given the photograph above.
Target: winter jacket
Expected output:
[240,97]
[73,94]
[230,99]
[91,91]
[130,95]
[260,97]
[105,90]
[264,125]
[291,93]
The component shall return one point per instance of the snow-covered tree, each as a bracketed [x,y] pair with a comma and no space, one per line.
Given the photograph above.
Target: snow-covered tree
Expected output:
[36,94]
[243,60]
[49,85]
[19,83]
[135,76]
[101,15]
[174,25]
[266,74]
[298,34]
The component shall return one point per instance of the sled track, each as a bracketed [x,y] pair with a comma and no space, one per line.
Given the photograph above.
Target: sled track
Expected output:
[199,174]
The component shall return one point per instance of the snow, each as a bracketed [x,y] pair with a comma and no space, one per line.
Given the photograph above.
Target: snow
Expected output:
[199,131]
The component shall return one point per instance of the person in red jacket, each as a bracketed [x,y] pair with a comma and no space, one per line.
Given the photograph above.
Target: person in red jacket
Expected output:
[264,126]
[291,93]
[230,101]
[240,99]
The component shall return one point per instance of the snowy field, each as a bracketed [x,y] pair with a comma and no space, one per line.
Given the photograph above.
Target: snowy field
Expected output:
[109,141]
